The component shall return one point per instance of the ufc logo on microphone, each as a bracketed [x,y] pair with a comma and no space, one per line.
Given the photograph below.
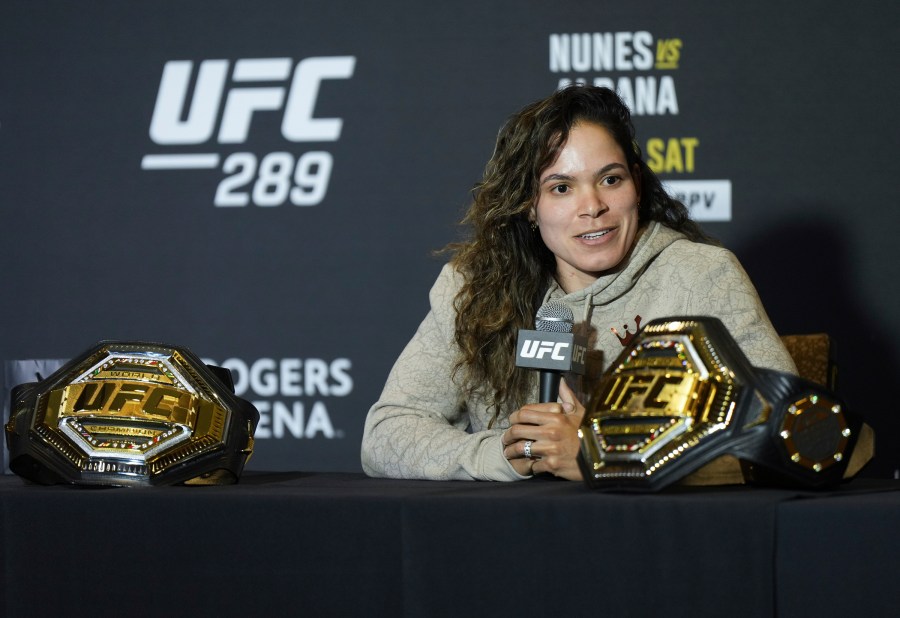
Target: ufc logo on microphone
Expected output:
[550,351]
[172,124]
[538,349]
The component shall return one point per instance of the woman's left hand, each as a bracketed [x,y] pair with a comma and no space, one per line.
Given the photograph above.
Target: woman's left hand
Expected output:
[552,431]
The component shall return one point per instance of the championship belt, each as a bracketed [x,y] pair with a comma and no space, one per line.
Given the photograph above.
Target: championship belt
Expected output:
[682,395]
[134,414]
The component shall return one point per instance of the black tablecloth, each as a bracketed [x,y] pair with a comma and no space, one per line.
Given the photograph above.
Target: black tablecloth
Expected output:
[344,544]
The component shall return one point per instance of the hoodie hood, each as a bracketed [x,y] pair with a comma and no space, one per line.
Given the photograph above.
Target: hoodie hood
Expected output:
[609,287]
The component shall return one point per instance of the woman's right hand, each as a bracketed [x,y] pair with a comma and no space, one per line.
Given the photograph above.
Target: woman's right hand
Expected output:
[543,437]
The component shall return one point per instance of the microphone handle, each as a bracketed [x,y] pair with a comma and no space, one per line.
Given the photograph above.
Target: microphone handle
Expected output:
[549,386]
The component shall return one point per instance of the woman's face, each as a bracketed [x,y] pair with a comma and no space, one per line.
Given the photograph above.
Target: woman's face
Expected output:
[587,207]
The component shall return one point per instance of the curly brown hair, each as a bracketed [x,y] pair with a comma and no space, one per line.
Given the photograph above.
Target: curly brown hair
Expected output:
[506,266]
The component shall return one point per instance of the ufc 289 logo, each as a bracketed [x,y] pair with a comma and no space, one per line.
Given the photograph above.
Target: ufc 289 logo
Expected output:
[193,107]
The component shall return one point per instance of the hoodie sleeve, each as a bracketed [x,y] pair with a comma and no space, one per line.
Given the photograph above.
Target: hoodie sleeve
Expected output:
[417,428]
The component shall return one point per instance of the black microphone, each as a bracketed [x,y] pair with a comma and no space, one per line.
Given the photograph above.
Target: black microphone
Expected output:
[551,348]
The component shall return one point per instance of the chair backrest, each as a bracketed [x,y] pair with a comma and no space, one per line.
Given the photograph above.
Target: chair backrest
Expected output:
[814,357]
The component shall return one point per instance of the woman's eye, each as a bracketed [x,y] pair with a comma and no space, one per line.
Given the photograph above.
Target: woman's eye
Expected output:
[610,180]
[560,189]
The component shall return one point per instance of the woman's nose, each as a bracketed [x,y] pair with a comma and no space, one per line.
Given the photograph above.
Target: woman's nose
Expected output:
[592,205]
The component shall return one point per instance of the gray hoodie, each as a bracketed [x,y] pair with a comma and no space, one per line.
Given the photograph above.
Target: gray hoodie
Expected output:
[424,427]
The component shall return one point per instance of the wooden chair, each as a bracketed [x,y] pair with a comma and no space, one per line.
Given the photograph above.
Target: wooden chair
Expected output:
[814,357]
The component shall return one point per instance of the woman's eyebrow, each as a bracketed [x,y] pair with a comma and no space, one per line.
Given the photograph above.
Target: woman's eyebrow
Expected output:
[557,177]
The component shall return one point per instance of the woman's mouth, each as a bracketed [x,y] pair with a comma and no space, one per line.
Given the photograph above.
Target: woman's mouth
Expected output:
[594,235]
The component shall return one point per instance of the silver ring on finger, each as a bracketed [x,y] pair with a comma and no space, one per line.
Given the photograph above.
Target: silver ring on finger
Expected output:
[528,444]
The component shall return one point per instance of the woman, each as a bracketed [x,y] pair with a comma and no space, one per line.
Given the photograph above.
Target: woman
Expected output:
[567,211]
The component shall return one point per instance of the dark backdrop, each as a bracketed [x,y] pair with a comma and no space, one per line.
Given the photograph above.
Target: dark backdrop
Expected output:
[781,116]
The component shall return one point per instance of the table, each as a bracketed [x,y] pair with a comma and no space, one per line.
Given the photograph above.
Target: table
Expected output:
[330,544]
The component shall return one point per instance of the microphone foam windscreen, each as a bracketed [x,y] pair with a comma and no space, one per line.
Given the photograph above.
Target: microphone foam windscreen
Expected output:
[554,317]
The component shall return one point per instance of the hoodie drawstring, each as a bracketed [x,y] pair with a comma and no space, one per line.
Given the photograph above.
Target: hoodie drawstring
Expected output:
[586,312]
